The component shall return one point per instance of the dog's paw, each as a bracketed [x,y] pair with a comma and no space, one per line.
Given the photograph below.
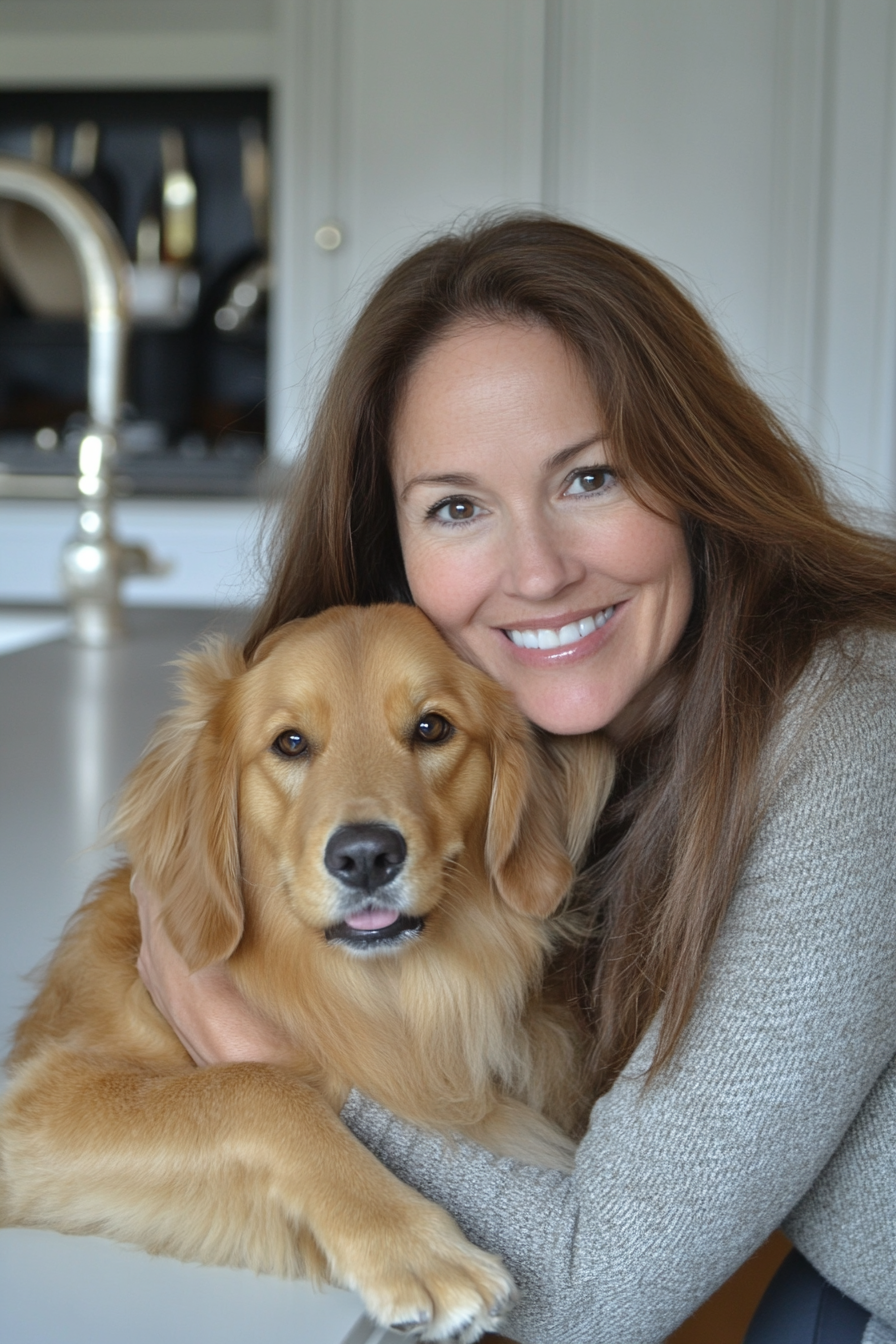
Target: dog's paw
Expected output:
[450,1298]
[427,1281]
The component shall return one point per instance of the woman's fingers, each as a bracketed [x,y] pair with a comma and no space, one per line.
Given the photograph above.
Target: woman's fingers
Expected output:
[205,1010]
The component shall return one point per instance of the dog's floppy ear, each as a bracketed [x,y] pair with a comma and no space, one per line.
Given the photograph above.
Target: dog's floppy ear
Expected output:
[178,812]
[547,794]
[584,766]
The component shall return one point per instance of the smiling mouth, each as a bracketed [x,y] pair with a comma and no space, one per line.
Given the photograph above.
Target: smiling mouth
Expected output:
[560,637]
[374,928]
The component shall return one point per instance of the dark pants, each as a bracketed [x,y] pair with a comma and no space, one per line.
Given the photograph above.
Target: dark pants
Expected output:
[800,1307]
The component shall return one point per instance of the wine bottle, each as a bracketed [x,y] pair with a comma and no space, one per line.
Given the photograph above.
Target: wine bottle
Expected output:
[178,199]
[89,174]
[167,228]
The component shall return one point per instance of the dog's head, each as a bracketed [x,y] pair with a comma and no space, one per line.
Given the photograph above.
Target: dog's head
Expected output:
[352,772]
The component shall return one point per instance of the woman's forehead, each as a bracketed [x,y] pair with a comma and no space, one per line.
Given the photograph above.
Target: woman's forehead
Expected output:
[492,389]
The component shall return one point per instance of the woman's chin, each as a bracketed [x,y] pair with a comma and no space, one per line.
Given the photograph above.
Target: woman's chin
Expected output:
[564,715]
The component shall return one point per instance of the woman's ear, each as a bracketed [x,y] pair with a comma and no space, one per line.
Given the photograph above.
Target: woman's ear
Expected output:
[547,794]
[178,812]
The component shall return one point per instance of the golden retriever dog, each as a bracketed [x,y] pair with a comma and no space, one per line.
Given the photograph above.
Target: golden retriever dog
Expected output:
[370,834]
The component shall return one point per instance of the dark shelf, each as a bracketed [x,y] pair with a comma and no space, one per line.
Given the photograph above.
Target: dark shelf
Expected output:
[196,392]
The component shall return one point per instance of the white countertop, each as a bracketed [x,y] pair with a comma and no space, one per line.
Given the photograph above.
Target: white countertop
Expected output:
[72,723]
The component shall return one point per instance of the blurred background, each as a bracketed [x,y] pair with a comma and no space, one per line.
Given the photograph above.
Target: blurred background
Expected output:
[265,160]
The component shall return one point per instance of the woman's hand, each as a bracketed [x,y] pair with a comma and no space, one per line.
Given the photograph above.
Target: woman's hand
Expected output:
[206,1010]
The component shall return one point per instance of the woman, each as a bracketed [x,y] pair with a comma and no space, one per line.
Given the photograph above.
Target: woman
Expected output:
[533,435]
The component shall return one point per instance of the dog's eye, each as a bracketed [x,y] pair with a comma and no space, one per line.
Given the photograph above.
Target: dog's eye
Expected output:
[433,728]
[290,744]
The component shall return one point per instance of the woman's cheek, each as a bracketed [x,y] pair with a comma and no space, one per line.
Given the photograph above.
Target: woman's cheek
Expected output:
[445,582]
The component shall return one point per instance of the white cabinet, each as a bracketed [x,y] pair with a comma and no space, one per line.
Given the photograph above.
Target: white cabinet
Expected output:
[396,117]
[749,147]
[855,344]
[439,110]
[664,136]
[209,550]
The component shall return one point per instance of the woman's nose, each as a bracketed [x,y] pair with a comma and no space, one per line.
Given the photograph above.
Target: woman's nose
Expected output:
[541,561]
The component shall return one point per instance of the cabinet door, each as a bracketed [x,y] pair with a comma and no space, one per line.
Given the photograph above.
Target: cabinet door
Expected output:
[401,116]
[440,114]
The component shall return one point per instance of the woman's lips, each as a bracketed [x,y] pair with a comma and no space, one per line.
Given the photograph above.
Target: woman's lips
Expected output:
[573,639]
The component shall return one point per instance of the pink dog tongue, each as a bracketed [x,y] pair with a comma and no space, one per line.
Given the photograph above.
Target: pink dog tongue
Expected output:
[371,919]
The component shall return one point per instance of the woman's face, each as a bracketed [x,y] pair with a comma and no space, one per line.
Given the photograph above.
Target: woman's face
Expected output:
[519,542]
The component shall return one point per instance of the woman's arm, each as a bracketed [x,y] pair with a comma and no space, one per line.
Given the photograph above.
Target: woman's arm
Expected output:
[846,1224]
[677,1183]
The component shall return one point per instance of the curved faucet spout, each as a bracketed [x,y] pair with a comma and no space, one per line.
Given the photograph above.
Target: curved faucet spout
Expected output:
[93,562]
[103,265]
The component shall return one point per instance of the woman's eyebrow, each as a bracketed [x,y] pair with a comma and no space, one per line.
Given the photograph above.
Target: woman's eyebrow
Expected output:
[559,459]
[448,478]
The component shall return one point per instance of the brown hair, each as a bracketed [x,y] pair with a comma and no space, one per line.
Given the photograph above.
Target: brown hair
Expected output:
[775,569]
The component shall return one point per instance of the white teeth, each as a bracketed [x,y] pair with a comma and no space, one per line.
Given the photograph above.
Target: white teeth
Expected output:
[567,634]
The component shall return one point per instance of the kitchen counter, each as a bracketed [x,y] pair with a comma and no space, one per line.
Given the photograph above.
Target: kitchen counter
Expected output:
[72,723]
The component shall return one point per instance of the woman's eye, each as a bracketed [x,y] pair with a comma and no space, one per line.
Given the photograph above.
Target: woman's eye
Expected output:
[290,744]
[433,728]
[589,481]
[454,510]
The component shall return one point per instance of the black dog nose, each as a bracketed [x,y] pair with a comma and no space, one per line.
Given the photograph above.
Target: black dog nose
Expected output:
[366,856]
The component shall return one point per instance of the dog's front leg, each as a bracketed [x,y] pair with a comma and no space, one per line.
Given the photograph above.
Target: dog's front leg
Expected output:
[233,1165]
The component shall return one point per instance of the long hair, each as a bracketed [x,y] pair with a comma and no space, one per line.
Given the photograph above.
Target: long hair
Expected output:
[775,570]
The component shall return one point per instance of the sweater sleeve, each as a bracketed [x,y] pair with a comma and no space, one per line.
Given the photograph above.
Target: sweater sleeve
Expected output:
[676,1183]
[846,1224]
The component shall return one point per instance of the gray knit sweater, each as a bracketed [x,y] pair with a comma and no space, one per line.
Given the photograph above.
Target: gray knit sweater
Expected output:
[778,1108]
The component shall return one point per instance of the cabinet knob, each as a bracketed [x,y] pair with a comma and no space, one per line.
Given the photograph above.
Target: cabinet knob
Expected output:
[328,237]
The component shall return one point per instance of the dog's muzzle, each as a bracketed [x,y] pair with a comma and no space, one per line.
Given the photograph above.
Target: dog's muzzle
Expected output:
[366,858]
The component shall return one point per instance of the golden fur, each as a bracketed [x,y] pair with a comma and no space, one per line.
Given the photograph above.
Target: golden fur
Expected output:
[108,1126]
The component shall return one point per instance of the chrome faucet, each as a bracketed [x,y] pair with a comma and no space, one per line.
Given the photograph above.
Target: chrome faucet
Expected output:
[93,562]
